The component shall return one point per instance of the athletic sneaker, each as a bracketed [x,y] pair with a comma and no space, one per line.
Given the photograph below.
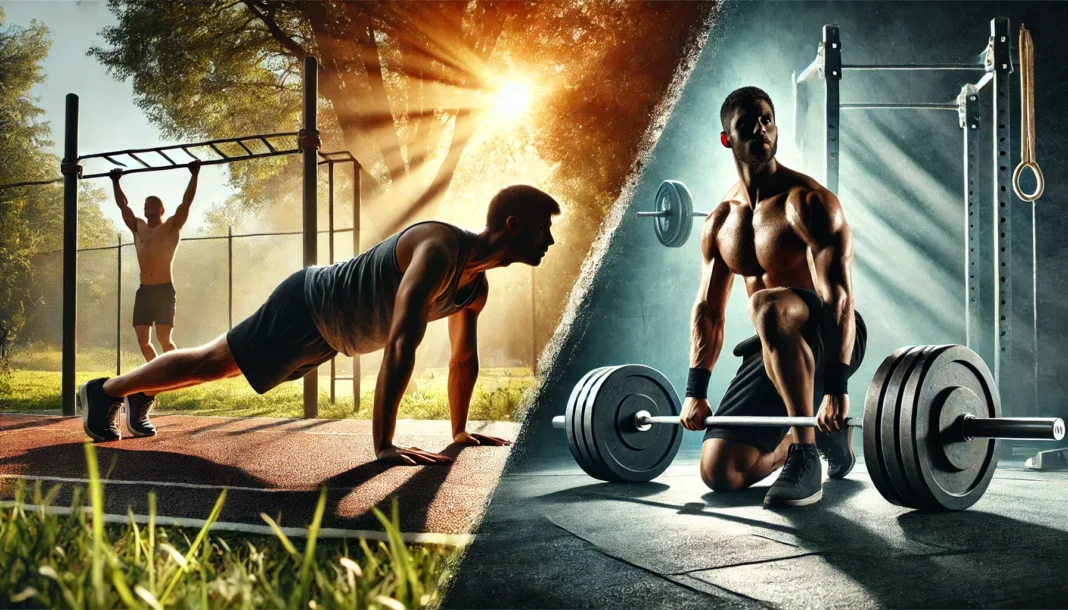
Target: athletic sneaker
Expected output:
[837,448]
[138,406]
[100,412]
[801,480]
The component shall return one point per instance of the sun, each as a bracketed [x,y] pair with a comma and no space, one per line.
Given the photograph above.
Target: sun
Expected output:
[512,99]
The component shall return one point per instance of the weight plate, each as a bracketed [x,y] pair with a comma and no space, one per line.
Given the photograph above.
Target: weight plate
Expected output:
[571,419]
[685,214]
[588,443]
[951,380]
[906,415]
[674,201]
[873,401]
[626,454]
[890,426]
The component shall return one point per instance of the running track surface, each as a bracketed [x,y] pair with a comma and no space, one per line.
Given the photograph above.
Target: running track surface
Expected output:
[272,466]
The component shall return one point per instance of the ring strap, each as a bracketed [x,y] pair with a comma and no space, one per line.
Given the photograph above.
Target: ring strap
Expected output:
[1027,119]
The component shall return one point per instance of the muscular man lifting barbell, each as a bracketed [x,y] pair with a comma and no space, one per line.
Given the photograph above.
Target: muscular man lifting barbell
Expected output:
[788,238]
[932,413]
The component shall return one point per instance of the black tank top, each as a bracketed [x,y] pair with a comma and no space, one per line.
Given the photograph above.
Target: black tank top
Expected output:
[351,302]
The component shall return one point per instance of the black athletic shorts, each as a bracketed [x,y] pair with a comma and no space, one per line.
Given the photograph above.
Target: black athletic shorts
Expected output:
[154,303]
[279,342]
[752,393]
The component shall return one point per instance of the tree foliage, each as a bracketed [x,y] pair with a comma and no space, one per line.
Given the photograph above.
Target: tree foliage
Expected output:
[408,86]
[408,83]
[31,218]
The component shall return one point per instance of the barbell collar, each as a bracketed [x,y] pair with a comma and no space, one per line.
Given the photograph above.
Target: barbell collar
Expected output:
[1016,428]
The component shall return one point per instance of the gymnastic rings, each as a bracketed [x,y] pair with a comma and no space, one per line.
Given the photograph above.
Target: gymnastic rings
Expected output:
[1027,119]
[1041,186]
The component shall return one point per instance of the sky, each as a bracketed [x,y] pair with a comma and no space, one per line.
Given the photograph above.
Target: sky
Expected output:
[109,118]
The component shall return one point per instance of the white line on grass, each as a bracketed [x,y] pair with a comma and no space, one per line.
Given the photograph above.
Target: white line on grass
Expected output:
[263,530]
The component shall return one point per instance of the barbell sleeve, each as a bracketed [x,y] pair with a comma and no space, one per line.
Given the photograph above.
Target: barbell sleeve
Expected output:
[1018,428]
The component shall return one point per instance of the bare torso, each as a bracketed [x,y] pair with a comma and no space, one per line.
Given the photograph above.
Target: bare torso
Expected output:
[761,242]
[155,251]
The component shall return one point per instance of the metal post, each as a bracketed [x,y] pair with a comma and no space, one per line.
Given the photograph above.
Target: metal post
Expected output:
[797,120]
[70,169]
[357,186]
[832,74]
[973,247]
[999,62]
[230,276]
[330,246]
[118,308]
[309,131]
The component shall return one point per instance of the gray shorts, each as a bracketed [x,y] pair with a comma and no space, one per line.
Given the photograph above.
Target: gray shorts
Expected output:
[279,342]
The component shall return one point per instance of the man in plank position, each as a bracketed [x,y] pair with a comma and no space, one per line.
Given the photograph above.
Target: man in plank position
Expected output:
[381,299]
[788,238]
[156,241]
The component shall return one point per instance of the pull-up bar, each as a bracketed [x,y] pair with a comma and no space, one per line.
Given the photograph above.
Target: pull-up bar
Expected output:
[916,67]
[307,143]
[212,144]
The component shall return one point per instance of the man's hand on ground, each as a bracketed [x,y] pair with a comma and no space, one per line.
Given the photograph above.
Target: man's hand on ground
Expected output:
[413,456]
[832,413]
[694,413]
[466,438]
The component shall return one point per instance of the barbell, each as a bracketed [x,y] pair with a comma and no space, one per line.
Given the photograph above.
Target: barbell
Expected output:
[673,217]
[932,423]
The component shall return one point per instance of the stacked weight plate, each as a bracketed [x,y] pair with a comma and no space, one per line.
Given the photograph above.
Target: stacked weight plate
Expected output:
[600,424]
[913,445]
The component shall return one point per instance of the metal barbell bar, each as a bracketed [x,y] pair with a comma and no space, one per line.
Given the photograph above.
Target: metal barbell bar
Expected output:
[971,427]
[665,214]
[932,426]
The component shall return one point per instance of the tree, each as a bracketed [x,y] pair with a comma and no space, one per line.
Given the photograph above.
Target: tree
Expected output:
[31,218]
[409,86]
[407,81]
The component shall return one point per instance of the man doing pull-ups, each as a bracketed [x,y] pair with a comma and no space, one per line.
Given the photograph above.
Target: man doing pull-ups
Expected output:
[156,241]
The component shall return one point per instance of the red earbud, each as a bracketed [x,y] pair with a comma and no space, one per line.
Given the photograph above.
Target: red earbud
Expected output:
[723,139]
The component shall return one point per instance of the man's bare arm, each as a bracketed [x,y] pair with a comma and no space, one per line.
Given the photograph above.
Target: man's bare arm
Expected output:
[822,225]
[420,285]
[181,215]
[128,217]
[463,366]
[708,321]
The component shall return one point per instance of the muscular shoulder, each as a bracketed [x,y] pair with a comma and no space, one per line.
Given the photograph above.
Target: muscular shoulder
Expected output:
[815,213]
[438,236]
[432,239]
[710,228]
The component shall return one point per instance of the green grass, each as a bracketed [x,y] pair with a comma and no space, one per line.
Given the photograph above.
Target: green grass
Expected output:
[497,396]
[79,561]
